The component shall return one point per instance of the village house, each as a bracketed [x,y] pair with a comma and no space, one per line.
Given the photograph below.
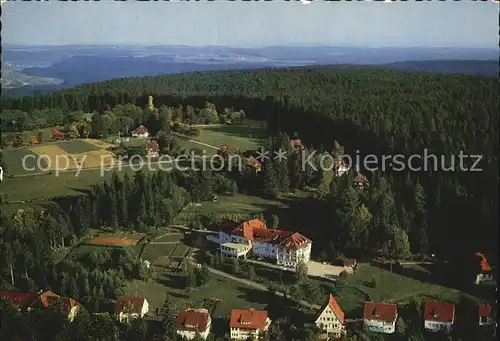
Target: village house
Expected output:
[485,274]
[20,300]
[296,144]
[286,248]
[57,134]
[127,307]
[223,149]
[380,317]
[360,180]
[193,322]
[140,132]
[486,317]
[153,149]
[439,316]
[341,168]
[253,164]
[330,319]
[245,324]
[48,299]
[350,264]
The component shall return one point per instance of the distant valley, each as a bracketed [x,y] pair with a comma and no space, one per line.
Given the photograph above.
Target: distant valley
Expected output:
[28,70]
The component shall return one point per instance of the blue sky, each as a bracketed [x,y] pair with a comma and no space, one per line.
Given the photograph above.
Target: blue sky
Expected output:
[252,24]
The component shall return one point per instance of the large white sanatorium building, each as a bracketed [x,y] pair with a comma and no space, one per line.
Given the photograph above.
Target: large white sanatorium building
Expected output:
[286,248]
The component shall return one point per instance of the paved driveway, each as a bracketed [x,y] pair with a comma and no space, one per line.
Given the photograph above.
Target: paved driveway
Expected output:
[324,270]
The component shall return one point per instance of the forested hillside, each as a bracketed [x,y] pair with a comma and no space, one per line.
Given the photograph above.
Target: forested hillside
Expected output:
[379,112]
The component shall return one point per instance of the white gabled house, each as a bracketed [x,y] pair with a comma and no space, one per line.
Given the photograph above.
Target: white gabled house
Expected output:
[193,322]
[286,248]
[245,324]
[380,317]
[439,317]
[127,308]
[330,319]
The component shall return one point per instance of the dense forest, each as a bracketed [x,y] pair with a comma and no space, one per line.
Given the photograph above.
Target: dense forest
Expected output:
[373,111]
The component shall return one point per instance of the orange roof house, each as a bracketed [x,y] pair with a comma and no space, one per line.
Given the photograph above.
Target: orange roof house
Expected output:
[191,322]
[249,319]
[254,163]
[330,318]
[57,134]
[485,267]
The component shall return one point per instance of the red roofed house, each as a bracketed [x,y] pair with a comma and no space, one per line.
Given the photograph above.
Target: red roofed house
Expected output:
[68,306]
[287,248]
[127,307]
[486,317]
[380,317]
[153,149]
[360,180]
[297,143]
[485,274]
[331,318]
[248,323]
[254,164]
[20,300]
[439,316]
[193,322]
[57,134]
[140,132]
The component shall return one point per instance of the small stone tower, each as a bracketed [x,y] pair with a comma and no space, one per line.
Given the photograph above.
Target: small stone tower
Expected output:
[150,103]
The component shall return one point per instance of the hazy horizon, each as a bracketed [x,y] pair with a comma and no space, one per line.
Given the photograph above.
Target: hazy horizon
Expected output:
[436,24]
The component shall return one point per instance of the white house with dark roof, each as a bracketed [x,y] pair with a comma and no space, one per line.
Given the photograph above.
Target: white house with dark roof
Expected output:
[286,248]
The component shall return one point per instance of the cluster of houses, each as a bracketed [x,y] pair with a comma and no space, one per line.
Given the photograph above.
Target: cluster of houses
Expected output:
[285,248]
[243,324]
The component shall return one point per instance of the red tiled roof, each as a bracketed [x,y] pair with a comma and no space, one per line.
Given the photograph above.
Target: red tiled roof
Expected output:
[193,320]
[153,146]
[140,129]
[251,161]
[64,303]
[295,242]
[135,303]
[256,230]
[380,311]
[246,229]
[44,298]
[360,178]
[19,299]
[349,262]
[484,310]
[332,303]
[248,319]
[228,226]
[439,311]
[485,267]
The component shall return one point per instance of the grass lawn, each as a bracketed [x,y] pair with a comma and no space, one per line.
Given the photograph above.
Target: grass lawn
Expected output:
[14,160]
[162,254]
[84,248]
[77,147]
[244,136]
[232,295]
[394,287]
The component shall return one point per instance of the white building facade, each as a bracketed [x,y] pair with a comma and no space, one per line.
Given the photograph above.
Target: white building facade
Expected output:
[285,248]
[194,322]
